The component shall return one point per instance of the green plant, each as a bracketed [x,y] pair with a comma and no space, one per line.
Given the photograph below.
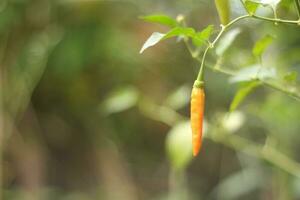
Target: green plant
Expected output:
[201,43]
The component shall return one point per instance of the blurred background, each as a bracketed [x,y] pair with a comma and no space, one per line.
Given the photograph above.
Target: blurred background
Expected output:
[84,116]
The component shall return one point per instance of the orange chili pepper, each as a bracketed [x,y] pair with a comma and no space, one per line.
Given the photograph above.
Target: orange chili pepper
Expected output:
[197,114]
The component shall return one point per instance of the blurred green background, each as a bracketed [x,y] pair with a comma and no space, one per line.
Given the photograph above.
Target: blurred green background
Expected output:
[84,116]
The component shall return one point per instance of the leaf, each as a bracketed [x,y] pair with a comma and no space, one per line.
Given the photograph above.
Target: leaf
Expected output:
[120,100]
[242,93]
[177,31]
[291,76]
[251,6]
[152,40]
[253,72]
[160,19]
[261,45]
[179,145]
[226,41]
[272,3]
[157,37]
[179,98]
[223,9]
[200,37]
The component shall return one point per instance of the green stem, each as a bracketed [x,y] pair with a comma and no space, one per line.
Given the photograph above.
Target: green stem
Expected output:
[283,21]
[200,77]
[273,8]
[266,152]
[292,94]
[236,20]
[297,2]
[190,49]
[219,35]
[233,141]
[186,42]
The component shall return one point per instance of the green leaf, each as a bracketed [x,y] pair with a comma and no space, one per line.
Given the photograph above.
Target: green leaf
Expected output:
[291,76]
[120,100]
[152,40]
[202,36]
[161,19]
[223,8]
[272,3]
[261,45]
[242,93]
[179,145]
[226,41]
[180,31]
[253,72]
[157,37]
[251,6]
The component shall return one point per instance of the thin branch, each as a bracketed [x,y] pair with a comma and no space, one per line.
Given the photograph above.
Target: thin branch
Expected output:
[283,21]
[201,71]
[189,47]
[290,93]
[264,152]
[297,2]
[236,20]
[212,45]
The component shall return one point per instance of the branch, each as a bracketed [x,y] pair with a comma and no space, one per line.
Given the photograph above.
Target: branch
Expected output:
[282,21]
[290,93]
[298,7]
[212,45]
[266,152]
[293,94]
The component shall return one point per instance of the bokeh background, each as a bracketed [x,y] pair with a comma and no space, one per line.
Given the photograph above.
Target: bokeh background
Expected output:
[85,116]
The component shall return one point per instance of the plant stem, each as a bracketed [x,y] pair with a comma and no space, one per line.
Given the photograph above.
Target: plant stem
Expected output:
[200,76]
[297,2]
[236,20]
[264,152]
[218,36]
[190,49]
[292,94]
[283,21]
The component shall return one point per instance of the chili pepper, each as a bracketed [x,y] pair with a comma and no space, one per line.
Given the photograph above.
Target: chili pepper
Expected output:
[197,113]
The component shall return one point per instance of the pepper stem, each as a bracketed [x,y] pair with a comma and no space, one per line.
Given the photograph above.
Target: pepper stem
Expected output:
[199,84]
[200,78]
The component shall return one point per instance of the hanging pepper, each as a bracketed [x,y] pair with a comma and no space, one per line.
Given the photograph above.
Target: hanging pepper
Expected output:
[197,114]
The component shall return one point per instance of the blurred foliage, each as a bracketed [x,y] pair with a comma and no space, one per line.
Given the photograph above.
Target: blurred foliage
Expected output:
[84,116]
